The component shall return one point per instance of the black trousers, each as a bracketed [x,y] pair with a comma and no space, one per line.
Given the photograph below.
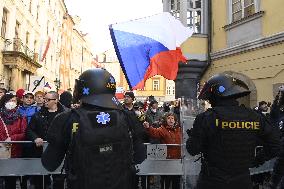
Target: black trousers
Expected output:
[10,182]
[145,182]
[243,182]
[57,183]
[167,181]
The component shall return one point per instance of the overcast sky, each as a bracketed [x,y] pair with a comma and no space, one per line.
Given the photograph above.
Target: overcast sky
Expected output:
[96,15]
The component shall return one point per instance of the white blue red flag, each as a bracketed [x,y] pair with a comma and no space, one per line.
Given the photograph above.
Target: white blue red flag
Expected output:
[149,46]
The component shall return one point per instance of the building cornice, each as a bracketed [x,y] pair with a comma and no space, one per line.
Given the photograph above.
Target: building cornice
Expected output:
[249,46]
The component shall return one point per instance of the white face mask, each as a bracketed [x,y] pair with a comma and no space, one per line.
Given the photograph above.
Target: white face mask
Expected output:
[10,105]
[154,110]
[138,113]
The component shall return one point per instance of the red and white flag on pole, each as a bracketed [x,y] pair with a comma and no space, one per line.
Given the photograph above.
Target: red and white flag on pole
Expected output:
[46,49]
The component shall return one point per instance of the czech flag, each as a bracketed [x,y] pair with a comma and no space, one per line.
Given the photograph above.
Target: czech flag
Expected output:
[47,85]
[149,46]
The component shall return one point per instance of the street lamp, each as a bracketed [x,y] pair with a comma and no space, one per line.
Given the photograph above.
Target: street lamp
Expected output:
[57,84]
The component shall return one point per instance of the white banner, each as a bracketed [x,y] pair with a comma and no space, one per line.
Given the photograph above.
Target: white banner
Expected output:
[36,83]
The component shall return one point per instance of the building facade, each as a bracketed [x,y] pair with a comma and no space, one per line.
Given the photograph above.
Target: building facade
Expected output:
[244,39]
[248,42]
[36,38]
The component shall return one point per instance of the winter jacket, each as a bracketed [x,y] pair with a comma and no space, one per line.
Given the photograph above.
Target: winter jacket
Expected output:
[153,117]
[16,131]
[168,135]
[38,128]
[28,111]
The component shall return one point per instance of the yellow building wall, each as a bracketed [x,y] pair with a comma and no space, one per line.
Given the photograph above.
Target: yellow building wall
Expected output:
[148,91]
[195,45]
[263,66]
[219,20]
[273,18]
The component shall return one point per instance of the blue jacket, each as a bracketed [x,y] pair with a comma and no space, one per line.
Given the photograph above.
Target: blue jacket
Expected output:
[28,111]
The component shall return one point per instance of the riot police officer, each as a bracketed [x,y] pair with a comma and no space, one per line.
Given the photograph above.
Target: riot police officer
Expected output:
[97,137]
[278,170]
[226,136]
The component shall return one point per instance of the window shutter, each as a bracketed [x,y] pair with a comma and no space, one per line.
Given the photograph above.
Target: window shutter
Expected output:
[257,5]
[230,11]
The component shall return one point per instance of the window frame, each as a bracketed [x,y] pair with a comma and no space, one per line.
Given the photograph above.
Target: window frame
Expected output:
[37,12]
[27,38]
[4,22]
[156,87]
[30,6]
[17,29]
[194,14]
[256,4]
[168,90]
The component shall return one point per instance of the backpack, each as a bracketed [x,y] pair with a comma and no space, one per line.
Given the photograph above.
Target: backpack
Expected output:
[100,152]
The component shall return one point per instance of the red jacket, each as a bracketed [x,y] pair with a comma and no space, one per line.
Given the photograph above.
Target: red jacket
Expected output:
[168,135]
[17,133]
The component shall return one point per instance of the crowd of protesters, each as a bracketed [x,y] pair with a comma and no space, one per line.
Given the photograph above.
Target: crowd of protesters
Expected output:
[162,127]
[27,117]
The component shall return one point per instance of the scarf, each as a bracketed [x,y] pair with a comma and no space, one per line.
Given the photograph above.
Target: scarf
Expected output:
[9,116]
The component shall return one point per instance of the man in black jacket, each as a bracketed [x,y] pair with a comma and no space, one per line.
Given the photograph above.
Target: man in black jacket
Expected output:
[37,131]
[226,135]
[98,138]
[40,122]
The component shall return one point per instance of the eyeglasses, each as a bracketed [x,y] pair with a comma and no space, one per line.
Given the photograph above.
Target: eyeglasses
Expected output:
[49,99]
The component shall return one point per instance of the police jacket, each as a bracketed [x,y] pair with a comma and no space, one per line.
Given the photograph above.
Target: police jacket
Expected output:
[98,149]
[227,135]
[278,169]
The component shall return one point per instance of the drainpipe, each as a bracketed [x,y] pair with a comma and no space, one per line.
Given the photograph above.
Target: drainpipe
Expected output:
[209,42]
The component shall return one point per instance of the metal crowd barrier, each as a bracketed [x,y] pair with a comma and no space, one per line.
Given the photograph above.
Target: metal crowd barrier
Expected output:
[155,164]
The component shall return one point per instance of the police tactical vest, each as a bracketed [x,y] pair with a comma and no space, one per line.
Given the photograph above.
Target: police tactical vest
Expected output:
[236,129]
[102,151]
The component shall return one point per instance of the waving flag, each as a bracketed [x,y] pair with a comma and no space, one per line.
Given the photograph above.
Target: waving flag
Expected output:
[149,46]
[46,49]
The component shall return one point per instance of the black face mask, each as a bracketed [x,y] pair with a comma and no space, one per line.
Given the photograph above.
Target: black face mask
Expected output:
[218,101]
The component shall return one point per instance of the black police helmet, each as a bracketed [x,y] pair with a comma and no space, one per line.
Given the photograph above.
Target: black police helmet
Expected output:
[96,87]
[223,86]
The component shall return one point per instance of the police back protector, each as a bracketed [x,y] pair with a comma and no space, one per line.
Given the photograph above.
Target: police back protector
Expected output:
[235,131]
[101,151]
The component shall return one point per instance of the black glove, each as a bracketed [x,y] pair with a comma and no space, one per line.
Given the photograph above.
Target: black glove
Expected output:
[272,185]
[259,158]
[275,180]
[188,131]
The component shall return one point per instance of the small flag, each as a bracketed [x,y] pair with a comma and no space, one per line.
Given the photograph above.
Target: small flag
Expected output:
[46,49]
[40,49]
[47,85]
[149,46]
